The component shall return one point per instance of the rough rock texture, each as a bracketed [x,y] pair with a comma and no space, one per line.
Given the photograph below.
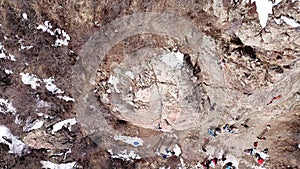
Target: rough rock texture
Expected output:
[165,76]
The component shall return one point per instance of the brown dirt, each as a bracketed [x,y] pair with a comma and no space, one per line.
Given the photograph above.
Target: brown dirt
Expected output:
[254,76]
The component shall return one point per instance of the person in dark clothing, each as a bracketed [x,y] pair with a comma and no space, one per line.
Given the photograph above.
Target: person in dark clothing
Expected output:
[228,165]
[255,144]
[206,164]
[218,129]
[229,128]
[266,150]
[215,160]
[249,151]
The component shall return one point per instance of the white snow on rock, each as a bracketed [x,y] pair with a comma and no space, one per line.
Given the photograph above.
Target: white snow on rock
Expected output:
[36,124]
[173,59]
[5,55]
[277,2]
[124,155]
[22,46]
[6,107]
[46,28]
[67,123]
[24,15]
[291,22]
[177,150]
[114,81]
[16,146]
[45,116]
[129,74]
[263,8]
[17,120]
[34,82]
[164,168]
[64,41]
[66,98]
[42,104]
[182,163]
[278,21]
[135,141]
[50,165]
[62,37]
[30,79]
[51,87]
[8,72]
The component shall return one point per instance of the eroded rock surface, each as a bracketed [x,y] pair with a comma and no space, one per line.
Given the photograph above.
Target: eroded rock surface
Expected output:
[140,84]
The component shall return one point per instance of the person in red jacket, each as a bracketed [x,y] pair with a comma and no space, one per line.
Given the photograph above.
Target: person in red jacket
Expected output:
[261,161]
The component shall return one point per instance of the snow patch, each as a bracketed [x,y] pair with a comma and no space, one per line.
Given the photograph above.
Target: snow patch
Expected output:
[124,155]
[135,141]
[164,168]
[24,15]
[51,87]
[66,98]
[67,123]
[22,46]
[182,163]
[129,74]
[30,79]
[15,145]
[277,2]
[64,41]
[62,37]
[289,21]
[114,81]
[45,116]
[8,72]
[263,8]
[17,120]
[34,82]
[42,104]
[173,59]
[5,55]
[50,165]
[6,107]
[36,124]
[46,27]
[278,21]
[177,150]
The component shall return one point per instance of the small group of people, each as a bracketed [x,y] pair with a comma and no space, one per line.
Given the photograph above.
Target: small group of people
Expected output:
[229,128]
[259,156]
[214,161]
[168,153]
[210,163]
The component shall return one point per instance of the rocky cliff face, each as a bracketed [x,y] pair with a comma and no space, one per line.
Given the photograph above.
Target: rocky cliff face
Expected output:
[149,84]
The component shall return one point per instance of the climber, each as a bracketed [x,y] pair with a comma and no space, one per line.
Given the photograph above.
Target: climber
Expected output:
[249,151]
[228,165]
[274,98]
[255,144]
[229,128]
[212,132]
